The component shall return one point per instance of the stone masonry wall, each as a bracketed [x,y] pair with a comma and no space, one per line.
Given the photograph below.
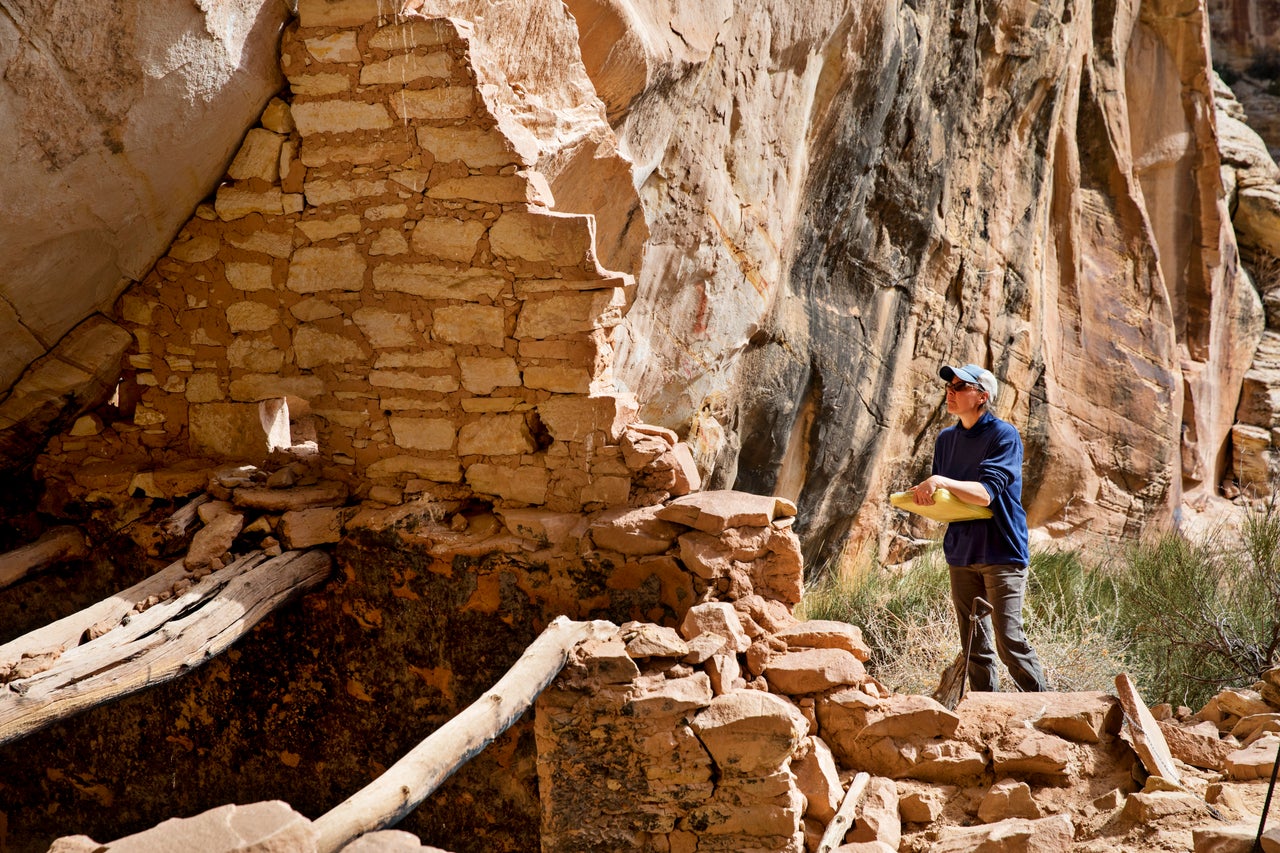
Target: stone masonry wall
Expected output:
[381,259]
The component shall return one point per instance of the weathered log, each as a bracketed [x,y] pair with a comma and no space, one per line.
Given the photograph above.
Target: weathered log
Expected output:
[839,826]
[413,778]
[177,530]
[56,545]
[160,643]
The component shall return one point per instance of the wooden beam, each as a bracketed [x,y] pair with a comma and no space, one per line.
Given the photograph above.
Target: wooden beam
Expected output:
[161,642]
[840,824]
[398,791]
[55,546]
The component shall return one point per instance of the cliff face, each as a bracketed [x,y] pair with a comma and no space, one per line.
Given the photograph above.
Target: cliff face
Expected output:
[821,204]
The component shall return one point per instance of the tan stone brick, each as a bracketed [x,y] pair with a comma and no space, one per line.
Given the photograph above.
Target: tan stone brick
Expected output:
[439,358]
[485,405]
[444,102]
[570,313]
[497,435]
[469,324]
[389,241]
[482,375]
[610,491]
[382,212]
[561,379]
[494,189]
[311,309]
[525,484]
[326,229]
[557,238]
[411,381]
[477,148]
[263,386]
[195,250]
[316,269]
[525,287]
[250,316]
[227,430]
[436,282]
[346,418]
[342,13]
[423,433]
[574,418]
[386,329]
[451,239]
[322,192]
[135,309]
[413,34]
[413,404]
[318,151]
[293,202]
[339,116]
[318,86]
[404,67]
[436,470]
[257,354]
[243,275]
[277,244]
[306,528]
[277,117]
[339,47]
[313,347]
[234,202]
[204,388]
[258,157]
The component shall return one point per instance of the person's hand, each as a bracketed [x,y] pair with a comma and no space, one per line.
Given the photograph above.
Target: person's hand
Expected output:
[923,492]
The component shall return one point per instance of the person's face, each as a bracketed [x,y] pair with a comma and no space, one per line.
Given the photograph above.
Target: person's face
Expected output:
[964,398]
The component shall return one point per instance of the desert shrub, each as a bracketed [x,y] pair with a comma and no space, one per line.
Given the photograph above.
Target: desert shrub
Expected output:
[1203,615]
[906,617]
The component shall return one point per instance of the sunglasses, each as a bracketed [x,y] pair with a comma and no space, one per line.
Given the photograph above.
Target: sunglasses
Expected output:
[957,387]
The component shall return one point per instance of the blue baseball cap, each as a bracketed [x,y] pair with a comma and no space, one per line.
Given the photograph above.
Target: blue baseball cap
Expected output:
[974,375]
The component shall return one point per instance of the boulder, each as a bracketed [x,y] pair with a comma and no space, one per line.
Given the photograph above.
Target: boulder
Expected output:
[1016,835]
[748,731]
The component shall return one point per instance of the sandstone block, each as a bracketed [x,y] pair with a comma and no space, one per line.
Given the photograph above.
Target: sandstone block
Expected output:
[574,418]
[920,803]
[725,673]
[688,478]
[436,282]
[320,193]
[899,715]
[826,634]
[411,380]
[313,347]
[339,47]
[483,375]
[441,103]
[1237,838]
[271,825]
[813,671]
[718,618]
[491,189]
[227,430]
[557,238]
[1030,753]
[306,528]
[451,239]
[632,531]
[402,68]
[423,433]
[570,313]
[323,494]
[749,731]
[1242,703]
[671,697]
[386,329]
[1199,749]
[314,269]
[712,512]
[477,148]
[258,157]
[1047,835]
[526,484]
[277,244]
[322,150]
[1150,808]
[339,116]
[818,779]
[251,316]
[254,387]
[878,818]
[326,229]
[213,540]
[469,324]
[605,490]
[340,13]
[248,276]
[388,242]
[1148,739]
[646,640]
[1005,799]
[496,435]
[194,249]
[1254,761]
[436,470]
[548,528]
[414,33]
[234,202]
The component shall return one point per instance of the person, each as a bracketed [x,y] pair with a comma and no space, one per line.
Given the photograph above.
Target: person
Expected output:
[979,460]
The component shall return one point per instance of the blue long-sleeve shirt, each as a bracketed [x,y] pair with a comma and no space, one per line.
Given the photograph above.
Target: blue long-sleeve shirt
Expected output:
[989,452]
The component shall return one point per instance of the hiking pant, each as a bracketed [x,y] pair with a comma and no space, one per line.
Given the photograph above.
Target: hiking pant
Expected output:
[1003,587]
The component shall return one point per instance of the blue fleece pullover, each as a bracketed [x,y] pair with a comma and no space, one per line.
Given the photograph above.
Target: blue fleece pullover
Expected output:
[990,452]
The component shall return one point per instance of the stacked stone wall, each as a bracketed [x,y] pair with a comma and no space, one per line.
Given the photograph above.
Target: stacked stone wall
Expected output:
[381,259]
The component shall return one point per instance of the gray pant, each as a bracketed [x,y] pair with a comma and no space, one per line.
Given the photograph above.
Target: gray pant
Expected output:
[1003,587]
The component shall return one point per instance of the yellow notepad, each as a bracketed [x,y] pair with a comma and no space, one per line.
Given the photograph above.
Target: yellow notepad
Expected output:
[946,507]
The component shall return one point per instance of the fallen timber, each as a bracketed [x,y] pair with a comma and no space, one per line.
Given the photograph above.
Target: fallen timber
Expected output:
[111,650]
[55,546]
[393,795]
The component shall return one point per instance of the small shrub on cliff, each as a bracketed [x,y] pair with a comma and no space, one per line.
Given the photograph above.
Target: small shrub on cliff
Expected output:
[1203,615]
